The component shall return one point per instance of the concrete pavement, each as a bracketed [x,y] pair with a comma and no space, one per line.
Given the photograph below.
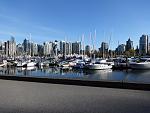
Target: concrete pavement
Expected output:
[32,97]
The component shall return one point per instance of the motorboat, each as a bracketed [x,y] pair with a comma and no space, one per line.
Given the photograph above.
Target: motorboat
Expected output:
[40,64]
[30,68]
[12,63]
[30,64]
[121,63]
[141,63]
[80,64]
[72,63]
[99,66]
[43,64]
[64,64]
[3,63]
[21,64]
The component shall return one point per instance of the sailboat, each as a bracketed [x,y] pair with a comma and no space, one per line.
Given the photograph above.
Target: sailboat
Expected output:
[30,63]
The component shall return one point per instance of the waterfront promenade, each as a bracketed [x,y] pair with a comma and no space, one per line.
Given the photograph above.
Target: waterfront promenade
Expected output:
[32,97]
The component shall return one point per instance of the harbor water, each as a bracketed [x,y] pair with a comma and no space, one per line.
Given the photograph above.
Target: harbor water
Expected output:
[138,76]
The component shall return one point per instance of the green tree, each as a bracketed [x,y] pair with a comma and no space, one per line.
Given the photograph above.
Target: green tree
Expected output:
[130,53]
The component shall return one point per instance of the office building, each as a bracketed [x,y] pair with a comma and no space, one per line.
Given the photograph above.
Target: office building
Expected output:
[87,50]
[104,49]
[76,47]
[26,46]
[10,47]
[129,44]
[48,48]
[143,45]
[19,50]
[121,49]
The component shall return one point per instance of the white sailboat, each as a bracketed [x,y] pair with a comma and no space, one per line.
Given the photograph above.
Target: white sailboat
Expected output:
[30,63]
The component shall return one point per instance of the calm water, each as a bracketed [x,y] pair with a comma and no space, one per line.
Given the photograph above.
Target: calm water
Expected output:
[111,75]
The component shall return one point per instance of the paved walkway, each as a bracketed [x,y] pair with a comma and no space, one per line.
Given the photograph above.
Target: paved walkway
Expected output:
[30,97]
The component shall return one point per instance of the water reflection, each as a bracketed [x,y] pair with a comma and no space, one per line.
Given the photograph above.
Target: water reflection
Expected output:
[138,76]
[97,74]
[54,72]
[7,71]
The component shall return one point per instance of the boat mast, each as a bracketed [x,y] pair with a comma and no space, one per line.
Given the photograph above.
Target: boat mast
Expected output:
[103,51]
[65,48]
[79,47]
[30,43]
[109,45]
[82,45]
[94,43]
[90,46]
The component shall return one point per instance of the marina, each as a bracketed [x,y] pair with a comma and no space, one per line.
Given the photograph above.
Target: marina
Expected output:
[98,69]
[126,76]
[74,56]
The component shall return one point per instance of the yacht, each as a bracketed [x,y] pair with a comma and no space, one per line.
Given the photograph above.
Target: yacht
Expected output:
[80,64]
[64,64]
[72,63]
[99,66]
[31,68]
[30,64]
[43,63]
[3,63]
[142,63]
[11,63]
[40,64]
[121,63]
[21,63]
[105,61]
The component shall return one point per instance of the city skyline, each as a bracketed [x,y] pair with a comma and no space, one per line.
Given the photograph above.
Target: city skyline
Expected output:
[56,19]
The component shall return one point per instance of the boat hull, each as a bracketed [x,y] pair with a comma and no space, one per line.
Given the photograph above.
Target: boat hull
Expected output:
[21,64]
[30,64]
[140,65]
[99,67]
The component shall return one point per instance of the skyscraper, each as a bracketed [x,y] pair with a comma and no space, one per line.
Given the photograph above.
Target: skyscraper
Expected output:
[104,49]
[1,48]
[40,50]
[143,45]
[48,48]
[129,44]
[62,45]
[34,49]
[76,47]
[19,49]
[26,46]
[10,47]
[121,49]
[87,50]
[55,48]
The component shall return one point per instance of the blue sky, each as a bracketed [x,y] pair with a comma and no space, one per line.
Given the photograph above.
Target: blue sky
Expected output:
[48,20]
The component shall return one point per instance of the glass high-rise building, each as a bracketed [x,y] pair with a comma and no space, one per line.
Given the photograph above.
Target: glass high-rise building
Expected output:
[129,44]
[143,45]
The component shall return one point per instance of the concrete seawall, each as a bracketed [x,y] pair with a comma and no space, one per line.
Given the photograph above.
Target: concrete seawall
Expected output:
[109,84]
